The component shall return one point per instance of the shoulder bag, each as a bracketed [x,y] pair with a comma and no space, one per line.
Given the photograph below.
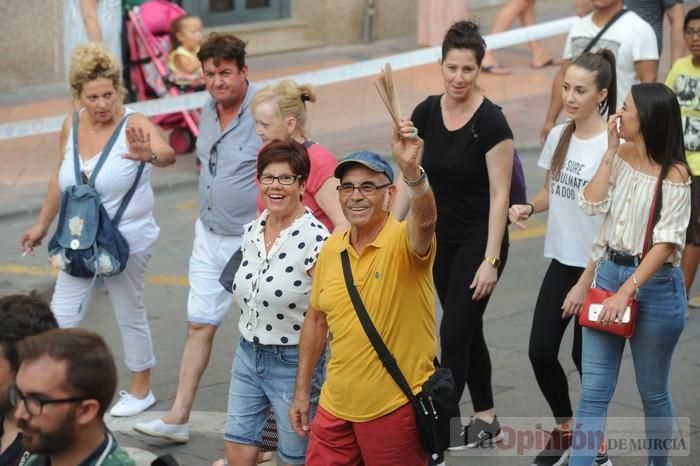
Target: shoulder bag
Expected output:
[593,304]
[436,405]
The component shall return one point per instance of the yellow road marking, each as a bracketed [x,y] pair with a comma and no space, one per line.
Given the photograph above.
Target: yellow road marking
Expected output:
[533,231]
[39,271]
[187,205]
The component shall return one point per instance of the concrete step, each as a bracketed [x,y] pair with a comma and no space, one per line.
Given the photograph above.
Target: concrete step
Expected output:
[267,37]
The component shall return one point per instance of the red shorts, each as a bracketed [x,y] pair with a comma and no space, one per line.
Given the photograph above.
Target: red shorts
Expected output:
[388,440]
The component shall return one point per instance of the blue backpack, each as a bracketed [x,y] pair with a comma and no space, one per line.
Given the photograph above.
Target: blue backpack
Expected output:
[87,242]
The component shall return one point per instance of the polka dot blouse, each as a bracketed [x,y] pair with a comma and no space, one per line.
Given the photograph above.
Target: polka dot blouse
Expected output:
[273,288]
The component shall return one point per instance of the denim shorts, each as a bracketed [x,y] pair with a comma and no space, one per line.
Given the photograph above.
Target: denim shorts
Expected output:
[263,378]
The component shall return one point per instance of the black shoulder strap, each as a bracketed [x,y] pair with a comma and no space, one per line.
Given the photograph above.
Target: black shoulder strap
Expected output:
[610,22]
[388,360]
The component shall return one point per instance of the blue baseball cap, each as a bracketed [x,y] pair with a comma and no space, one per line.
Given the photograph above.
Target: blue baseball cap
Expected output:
[371,160]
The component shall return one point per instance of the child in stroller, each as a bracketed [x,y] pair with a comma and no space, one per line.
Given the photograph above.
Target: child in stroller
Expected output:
[186,37]
[148,35]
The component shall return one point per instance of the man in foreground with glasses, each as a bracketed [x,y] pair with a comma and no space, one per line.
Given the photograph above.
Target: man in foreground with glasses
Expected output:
[65,382]
[684,80]
[21,316]
[363,416]
[227,147]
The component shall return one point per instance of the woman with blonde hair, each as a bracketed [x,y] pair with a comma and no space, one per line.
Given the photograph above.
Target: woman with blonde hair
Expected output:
[95,83]
[280,113]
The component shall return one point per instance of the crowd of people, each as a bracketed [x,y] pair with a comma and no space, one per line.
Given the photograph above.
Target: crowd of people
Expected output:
[305,232]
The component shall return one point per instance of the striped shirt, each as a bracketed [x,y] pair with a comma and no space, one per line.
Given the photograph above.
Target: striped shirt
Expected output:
[627,207]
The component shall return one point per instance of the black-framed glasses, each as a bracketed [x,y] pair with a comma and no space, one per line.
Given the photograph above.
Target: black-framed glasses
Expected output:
[283,179]
[690,32]
[35,404]
[365,188]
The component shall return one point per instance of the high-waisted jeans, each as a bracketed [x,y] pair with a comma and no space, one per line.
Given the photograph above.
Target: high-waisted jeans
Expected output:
[663,310]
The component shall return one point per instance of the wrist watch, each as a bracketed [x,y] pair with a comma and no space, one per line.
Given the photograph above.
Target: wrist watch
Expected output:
[493,261]
[154,157]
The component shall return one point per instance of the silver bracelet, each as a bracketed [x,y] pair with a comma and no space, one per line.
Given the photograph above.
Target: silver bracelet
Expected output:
[417,181]
[415,191]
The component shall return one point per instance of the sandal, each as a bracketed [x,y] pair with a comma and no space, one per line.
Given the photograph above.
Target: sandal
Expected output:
[496,69]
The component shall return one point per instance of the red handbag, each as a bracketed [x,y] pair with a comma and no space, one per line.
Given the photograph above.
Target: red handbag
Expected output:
[593,304]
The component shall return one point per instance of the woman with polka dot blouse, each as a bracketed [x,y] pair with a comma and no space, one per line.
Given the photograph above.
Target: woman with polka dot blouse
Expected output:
[272,287]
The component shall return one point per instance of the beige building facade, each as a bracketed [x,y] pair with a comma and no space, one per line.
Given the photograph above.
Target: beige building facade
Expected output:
[34,56]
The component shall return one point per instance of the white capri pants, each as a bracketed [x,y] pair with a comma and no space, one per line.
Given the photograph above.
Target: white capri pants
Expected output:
[208,301]
[126,293]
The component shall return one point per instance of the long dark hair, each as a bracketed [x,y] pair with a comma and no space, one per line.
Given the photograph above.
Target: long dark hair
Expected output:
[661,128]
[602,64]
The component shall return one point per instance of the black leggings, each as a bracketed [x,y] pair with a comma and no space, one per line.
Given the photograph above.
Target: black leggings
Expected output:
[462,342]
[548,329]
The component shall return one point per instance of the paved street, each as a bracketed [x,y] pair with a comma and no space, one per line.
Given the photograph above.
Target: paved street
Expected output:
[507,330]
[347,117]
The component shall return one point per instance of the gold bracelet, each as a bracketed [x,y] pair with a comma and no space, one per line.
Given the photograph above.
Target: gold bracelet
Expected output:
[636,285]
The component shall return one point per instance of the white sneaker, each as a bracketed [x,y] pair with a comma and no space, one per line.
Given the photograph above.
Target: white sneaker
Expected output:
[179,433]
[129,405]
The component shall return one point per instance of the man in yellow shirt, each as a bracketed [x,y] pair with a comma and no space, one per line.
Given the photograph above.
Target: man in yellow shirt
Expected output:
[363,416]
[684,80]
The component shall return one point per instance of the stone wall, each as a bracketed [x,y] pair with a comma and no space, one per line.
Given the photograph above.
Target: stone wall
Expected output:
[33,50]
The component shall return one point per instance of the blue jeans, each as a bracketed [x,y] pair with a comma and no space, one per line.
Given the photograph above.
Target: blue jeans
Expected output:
[263,377]
[663,310]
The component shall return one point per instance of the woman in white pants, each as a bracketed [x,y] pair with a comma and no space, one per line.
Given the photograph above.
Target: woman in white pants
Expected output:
[95,83]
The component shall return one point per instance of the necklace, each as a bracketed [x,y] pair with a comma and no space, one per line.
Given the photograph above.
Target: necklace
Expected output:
[274,233]
[270,242]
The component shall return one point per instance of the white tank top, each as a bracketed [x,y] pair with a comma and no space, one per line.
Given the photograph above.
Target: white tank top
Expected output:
[138,226]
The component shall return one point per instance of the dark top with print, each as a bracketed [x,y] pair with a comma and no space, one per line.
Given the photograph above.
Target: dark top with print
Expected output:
[455,162]
[14,453]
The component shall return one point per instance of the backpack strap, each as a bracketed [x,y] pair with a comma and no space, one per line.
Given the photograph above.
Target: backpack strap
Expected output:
[103,156]
[76,153]
[129,194]
[107,149]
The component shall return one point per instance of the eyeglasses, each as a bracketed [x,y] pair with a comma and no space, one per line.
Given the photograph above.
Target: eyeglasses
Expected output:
[365,188]
[690,33]
[283,179]
[35,405]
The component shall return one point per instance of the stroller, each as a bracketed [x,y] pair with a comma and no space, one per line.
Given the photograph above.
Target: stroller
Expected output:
[148,27]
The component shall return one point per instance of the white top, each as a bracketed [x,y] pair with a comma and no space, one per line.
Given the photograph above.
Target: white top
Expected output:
[630,38]
[109,17]
[273,288]
[627,209]
[138,226]
[570,232]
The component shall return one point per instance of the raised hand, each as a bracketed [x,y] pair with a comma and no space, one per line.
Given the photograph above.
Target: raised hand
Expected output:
[614,131]
[405,147]
[139,144]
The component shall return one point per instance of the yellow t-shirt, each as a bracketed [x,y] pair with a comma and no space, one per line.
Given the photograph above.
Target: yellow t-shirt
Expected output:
[396,286]
[684,80]
[172,66]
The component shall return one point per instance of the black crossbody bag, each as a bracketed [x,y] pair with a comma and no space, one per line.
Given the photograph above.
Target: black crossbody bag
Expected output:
[610,22]
[436,405]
